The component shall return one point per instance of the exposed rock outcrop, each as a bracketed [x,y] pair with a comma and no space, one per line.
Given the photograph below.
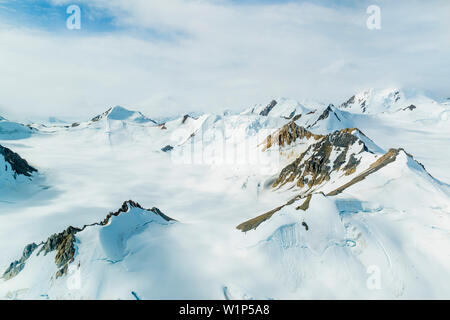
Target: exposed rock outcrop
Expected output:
[378,164]
[288,134]
[314,166]
[410,108]
[101,116]
[18,165]
[167,148]
[268,108]
[384,160]
[18,265]
[64,243]
[255,222]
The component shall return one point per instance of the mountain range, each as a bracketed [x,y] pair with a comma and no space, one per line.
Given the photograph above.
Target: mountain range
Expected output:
[284,200]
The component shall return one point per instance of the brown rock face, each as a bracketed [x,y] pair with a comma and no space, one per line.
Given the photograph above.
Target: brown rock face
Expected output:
[288,134]
[255,222]
[313,167]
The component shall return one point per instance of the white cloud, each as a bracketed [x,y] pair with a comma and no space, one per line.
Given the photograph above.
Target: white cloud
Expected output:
[221,56]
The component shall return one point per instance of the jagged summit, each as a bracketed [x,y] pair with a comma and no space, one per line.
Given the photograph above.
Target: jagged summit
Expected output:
[122,114]
[118,226]
[279,107]
[288,135]
[389,100]
[373,101]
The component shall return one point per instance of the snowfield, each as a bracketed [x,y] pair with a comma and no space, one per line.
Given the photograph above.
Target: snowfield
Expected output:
[219,211]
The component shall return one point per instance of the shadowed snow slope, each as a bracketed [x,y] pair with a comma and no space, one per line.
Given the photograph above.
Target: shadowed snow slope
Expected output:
[13,131]
[93,252]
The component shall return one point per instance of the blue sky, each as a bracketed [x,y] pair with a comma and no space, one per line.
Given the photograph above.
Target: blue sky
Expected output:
[166,57]
[52,16]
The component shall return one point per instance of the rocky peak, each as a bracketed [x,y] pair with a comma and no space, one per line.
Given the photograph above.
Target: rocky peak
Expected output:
[335,151]
[268,108]
[64,243]
[410,108]
[101,116]
[326,113]
[185,117]
[288,134]
[18,165]
[317,165]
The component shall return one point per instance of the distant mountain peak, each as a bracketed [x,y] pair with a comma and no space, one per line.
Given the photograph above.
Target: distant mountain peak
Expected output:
[268,108]
[122,114]
[373,100]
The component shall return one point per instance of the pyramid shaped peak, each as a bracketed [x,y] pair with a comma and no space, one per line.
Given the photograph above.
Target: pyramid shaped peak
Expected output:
[122,114]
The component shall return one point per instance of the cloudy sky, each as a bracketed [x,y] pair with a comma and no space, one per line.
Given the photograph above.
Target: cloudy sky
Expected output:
[167,57]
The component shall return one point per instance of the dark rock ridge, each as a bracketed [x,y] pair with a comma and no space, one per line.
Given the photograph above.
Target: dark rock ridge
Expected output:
[410,108]
[325,114]
[18,165]
[101,116]
[268,108]
[348,102]
[185,117]
[64,243]
[362,103]
[167,148]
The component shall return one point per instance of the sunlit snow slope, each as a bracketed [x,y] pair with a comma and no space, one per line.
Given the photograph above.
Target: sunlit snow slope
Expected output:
[285,200]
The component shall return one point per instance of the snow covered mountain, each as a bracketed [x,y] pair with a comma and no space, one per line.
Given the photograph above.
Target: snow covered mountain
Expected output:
[401,105]
[335,159]
[388,219]
[346,211]
[373,101]
[280,107]
[10,130]
[121,114]
[15,170]
[84,252]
